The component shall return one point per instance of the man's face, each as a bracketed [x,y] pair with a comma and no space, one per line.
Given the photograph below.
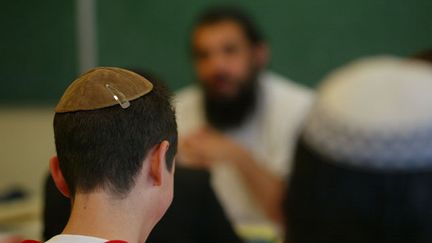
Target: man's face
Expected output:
[224,59]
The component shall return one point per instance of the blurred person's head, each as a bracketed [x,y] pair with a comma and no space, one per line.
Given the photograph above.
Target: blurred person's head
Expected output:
[228,54]
[374,113]
[370,125]
[125,153]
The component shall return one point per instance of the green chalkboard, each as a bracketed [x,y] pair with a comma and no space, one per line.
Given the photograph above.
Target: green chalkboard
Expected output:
[37,50]
[308,38]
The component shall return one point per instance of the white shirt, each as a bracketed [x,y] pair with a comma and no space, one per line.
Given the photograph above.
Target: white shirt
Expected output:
[269,135]
[65,238]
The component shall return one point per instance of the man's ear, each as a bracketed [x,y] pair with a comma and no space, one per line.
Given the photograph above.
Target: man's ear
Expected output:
[58,178]
[157,159]
[262,54]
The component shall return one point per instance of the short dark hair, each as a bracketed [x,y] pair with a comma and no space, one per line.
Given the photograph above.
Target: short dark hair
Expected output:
[105,148]
[218,14]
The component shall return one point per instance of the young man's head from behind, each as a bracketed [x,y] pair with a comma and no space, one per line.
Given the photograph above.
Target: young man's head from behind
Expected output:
[116,133]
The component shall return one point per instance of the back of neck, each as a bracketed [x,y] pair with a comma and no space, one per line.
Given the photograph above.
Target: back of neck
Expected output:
[98,214]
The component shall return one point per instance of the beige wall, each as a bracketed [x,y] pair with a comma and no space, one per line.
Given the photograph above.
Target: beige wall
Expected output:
[26,144]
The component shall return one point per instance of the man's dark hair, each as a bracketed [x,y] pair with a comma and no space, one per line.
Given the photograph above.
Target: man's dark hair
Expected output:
[105,148]
[218,14]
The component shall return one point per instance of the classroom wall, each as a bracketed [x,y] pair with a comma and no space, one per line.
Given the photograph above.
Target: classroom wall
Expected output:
[39,52]
[26,145]
[308,38]
[40,55]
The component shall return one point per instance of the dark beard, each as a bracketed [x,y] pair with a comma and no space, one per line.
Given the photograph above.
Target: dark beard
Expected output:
[224,114]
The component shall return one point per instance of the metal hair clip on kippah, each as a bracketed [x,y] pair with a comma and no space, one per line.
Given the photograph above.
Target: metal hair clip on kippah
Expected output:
[118,96]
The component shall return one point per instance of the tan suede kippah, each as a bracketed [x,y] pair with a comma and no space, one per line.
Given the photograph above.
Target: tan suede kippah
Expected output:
[103,87]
